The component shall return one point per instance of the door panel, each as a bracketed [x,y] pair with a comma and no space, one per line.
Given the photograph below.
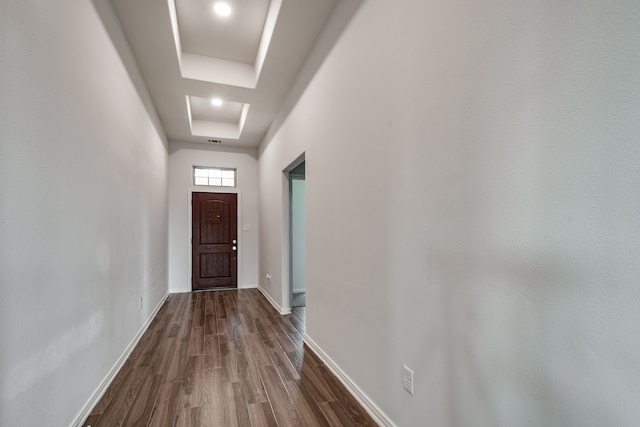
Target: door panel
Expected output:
[214,265]
[214,240]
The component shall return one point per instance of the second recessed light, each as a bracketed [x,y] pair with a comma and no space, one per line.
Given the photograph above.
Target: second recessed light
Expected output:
[222,9]
[216,101]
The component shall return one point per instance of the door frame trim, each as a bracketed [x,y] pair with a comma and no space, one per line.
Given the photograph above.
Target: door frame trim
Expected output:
[225,190]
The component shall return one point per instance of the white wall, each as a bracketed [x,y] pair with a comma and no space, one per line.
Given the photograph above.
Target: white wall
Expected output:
[83,216]
[182,158]
[472,209]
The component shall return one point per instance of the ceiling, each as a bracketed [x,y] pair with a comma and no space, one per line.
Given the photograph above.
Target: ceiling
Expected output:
[188,55]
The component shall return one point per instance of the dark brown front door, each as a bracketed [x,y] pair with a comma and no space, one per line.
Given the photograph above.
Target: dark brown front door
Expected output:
[214,240]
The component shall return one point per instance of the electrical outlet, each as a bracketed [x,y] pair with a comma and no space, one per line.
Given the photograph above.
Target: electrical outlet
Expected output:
[140,303]
[268,276]
[407,379]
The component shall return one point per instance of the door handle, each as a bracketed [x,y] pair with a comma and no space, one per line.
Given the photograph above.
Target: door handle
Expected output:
[234,248]
[234,241]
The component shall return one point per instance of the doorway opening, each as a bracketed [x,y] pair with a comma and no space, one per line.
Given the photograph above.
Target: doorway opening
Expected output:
[297,236]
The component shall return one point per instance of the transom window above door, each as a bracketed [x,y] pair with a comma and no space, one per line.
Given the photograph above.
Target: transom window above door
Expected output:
[214,177]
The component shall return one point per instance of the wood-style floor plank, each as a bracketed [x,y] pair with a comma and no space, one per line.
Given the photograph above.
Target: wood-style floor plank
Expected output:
[262,415]
[283,407]
[190,417]
[347,401]
[212,356]
[218,406]
[336,414]
[144,402]
[254,389]
[309,411]
[240,404]
[196,342]
[192,383]
[160,363]
[166,410]
[122,402]
[225,358]
[316,383]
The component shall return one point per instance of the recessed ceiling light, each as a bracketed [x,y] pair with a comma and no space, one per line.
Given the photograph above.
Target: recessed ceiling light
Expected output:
[222,9]
[216,101]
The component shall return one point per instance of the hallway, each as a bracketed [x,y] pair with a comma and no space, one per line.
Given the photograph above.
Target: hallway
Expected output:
[225,358]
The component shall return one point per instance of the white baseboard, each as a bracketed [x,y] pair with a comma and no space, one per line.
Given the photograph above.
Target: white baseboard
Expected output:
[102,388]
[273,302]
[372,409]
[251,286]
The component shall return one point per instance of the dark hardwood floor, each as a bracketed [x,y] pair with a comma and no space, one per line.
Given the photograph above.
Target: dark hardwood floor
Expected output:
[225,358]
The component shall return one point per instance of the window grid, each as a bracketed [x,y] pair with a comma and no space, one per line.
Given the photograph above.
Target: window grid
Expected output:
[214,177]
